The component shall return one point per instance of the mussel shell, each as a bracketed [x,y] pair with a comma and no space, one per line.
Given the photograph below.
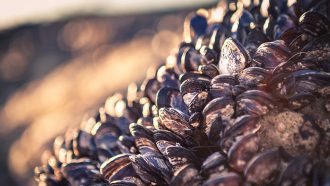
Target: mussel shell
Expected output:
[259,96]
[158,164]
[210,70]
[59,148]
[84,145]
[314,23]
[150,88]
[81,172]
[300,100]
[196,119]
[170,97]
[198,25]
[117,167]
[268,26]
[242,151]
[165,138]
[224,79]
[290,34]
[262,168]
[270,54]
[253,76]
[242,125]
[254,39]
[214,163]
[198,102]
[219,34]
[211,55]
[223,106]
[213,128]
[230,178]
[150,168]
[319,44]
[194,85]
[126,144]
[282,85]
[191,60]
[187,175]
[143,139]
[234,58]
[50,180]
[321,173]
[124,183]
[299,42]
[254,102]
[179,156]
[175,121]
[283,23]
[296,171]
[220,90]
[193,75]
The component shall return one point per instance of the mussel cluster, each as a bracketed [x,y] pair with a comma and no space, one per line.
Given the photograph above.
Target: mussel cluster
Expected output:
[244,101]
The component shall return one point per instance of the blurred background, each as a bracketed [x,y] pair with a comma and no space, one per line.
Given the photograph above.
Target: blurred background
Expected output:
[61,59]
